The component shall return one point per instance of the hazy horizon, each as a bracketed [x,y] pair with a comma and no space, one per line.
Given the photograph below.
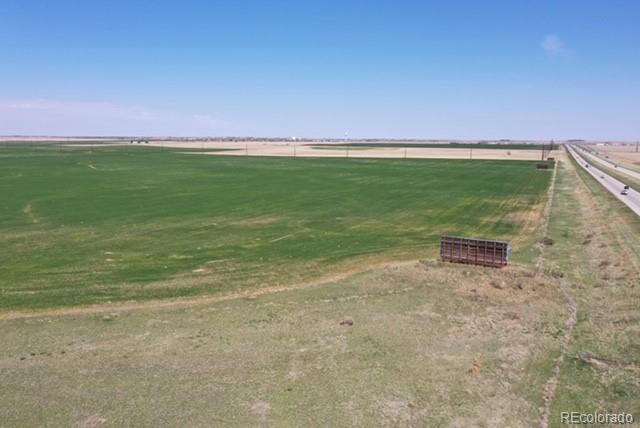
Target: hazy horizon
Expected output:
[44,138]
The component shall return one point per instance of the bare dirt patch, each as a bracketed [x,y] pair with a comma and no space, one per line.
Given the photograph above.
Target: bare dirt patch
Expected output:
[622,154]
[28,211]
[309,149]
[383,153]
[256,221]
[529,220]
[261,409]
[93,421]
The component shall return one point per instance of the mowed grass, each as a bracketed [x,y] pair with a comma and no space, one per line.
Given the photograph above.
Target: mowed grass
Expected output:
[89,226]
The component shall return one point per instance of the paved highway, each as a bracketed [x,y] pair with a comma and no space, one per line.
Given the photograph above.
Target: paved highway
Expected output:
[608,163]
[632,200]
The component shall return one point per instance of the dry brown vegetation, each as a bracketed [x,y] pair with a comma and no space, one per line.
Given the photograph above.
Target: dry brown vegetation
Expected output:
[625,155]
[427,342]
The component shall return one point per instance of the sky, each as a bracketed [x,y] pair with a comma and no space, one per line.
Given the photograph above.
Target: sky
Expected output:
[535,69]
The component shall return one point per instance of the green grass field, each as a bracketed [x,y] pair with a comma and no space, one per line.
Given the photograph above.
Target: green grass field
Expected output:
[82,226]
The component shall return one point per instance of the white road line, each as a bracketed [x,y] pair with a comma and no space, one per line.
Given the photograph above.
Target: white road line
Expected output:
[632,200]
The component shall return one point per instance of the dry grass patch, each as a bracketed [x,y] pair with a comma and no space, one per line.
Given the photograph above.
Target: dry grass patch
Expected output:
[428,343]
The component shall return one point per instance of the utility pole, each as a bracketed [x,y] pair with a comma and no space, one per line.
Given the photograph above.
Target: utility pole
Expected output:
[636,146]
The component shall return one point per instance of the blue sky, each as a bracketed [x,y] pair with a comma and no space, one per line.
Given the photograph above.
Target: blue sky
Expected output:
[427,69]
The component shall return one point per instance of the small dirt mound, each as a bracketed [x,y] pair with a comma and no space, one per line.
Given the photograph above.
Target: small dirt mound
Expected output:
[475,367]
